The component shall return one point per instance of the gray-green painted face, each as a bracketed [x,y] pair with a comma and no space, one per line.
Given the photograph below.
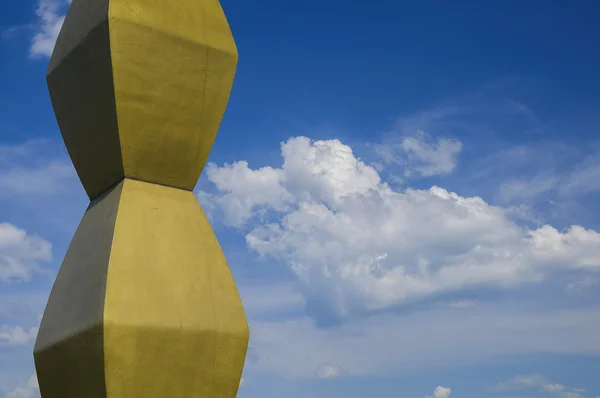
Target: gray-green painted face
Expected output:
[69,350]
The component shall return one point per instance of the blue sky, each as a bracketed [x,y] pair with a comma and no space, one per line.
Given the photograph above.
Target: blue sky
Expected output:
[406,193]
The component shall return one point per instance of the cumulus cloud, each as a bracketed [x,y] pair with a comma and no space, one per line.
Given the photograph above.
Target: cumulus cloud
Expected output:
[578,247]
[356,245]
[440,392]
[21,253]
[246,191]
[16,335]
[50,17]
[29,389]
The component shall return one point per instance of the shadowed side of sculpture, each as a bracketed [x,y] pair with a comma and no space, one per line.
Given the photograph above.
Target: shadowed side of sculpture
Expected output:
[144,304]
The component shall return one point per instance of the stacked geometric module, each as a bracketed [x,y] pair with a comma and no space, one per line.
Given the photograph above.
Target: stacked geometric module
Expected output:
[144,304]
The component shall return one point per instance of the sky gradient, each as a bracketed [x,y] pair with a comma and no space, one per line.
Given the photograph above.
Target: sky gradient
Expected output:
[406,193]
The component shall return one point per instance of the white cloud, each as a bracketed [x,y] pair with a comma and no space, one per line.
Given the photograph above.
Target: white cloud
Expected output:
[20,254]
[33,168]
[30,389]
[51,15]
[246,190]
[584,178]
[548,171]
[391,344]
[461,304]
[578,247]
[420,155]
[22,306]
[327,170]
[16,335]
[328,371]
[356,245]
[526,190]
[537,169]
[572,394]
[262,300]
[25,181]
[553,387]
[441,392]
[520,382]
[540,382]
[422,144]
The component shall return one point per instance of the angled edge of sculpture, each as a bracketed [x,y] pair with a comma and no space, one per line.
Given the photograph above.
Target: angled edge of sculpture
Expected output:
[144,304]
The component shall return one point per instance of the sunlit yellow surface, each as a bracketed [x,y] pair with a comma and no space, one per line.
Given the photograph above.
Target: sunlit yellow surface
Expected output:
[144,305]
[173,68]
[141,86]
[173,320]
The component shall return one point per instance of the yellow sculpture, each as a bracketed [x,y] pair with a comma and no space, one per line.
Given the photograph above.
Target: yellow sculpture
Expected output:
[144,304]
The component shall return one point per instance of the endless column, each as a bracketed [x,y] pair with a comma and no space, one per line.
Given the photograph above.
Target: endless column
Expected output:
[144,304]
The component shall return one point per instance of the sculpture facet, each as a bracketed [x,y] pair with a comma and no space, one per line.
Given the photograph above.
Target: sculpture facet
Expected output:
[141,87]
[144,304]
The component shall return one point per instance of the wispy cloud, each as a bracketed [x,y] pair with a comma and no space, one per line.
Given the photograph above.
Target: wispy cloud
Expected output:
[582,285]
[583,178]
[16,335]
[419,154]
[267,300]
[462,303]
[527,190]
[23,306]
[520,382]
[50,17]
[29,389]
[434,339]
[35,168]
[553,171]
[26,181]
[499,146]
[538,382]
[429,143]
[328,371]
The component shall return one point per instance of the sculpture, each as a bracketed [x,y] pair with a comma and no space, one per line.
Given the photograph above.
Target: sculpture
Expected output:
[144,304]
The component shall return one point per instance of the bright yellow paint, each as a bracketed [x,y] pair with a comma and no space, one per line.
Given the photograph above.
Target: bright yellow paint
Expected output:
[173,68]
[174,325]
[145,305]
